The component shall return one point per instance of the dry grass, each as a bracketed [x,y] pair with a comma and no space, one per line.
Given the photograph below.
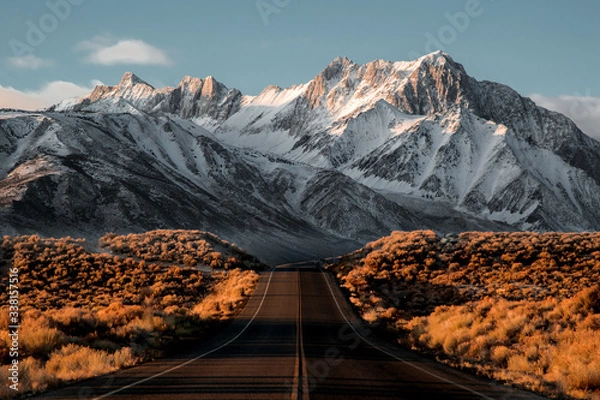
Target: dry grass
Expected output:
[548,346]
[227,295]
[85,314]
[72,362]
[189,248]
[519,307]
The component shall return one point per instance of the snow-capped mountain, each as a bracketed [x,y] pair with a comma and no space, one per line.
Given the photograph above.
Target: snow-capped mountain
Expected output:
[193,97]
[89,173]
[426,129]
[354,153]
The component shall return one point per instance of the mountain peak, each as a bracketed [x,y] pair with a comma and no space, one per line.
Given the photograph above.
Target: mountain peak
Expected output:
[341,60]
[337,66]
[191,82]
[438,53]
[131,79]
[437,58]
[340,63]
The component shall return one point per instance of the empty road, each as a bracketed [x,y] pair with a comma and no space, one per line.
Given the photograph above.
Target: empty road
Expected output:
[296,339]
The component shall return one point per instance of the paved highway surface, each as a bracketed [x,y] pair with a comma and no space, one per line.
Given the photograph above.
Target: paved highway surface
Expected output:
[296,339]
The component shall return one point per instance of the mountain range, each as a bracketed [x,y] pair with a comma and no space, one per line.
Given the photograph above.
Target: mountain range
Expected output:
[312,170]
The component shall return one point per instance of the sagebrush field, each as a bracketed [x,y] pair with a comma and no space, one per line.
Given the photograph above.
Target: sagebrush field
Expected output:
[89,312]
[518,307]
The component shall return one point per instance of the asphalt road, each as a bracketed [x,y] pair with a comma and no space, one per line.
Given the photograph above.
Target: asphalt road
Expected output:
[296,339]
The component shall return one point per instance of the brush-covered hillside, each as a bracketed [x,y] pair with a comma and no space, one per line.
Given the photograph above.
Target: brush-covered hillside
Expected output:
[88,309]
[523,308]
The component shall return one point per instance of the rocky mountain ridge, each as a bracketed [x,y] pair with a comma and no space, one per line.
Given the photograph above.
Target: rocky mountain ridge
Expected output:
[358,151]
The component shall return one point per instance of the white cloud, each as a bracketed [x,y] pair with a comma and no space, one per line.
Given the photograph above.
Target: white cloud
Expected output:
[583,110]
[30,61]
[49,94]
[105,50]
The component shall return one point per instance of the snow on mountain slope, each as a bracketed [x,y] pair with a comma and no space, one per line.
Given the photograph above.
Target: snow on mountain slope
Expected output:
[439,157]
[304,121]
[357,151]
[205,99]
[428,130]
[91,173]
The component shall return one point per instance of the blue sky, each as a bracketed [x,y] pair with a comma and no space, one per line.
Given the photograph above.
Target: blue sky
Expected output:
[547,47]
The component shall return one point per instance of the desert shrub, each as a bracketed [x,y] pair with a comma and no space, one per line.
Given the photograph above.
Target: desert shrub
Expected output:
[519,307]
[76,362]
[534,345]
[37,338]
[4,318]
[86,313]
[33,375]
[181,247]
[74,321]
[227,296]
[575,361]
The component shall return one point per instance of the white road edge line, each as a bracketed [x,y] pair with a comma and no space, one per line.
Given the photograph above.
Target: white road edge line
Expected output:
[104,396]
[393,355]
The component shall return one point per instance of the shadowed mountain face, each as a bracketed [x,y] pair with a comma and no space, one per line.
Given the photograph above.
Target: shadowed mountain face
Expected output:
[307,171]
[87,174]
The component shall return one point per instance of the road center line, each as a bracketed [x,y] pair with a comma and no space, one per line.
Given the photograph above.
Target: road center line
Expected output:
[104,396]
[301,389]
[441,378]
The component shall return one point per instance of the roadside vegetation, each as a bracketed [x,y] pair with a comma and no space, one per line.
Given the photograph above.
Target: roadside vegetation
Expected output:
[86,313]
[188,248]
[523,308]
